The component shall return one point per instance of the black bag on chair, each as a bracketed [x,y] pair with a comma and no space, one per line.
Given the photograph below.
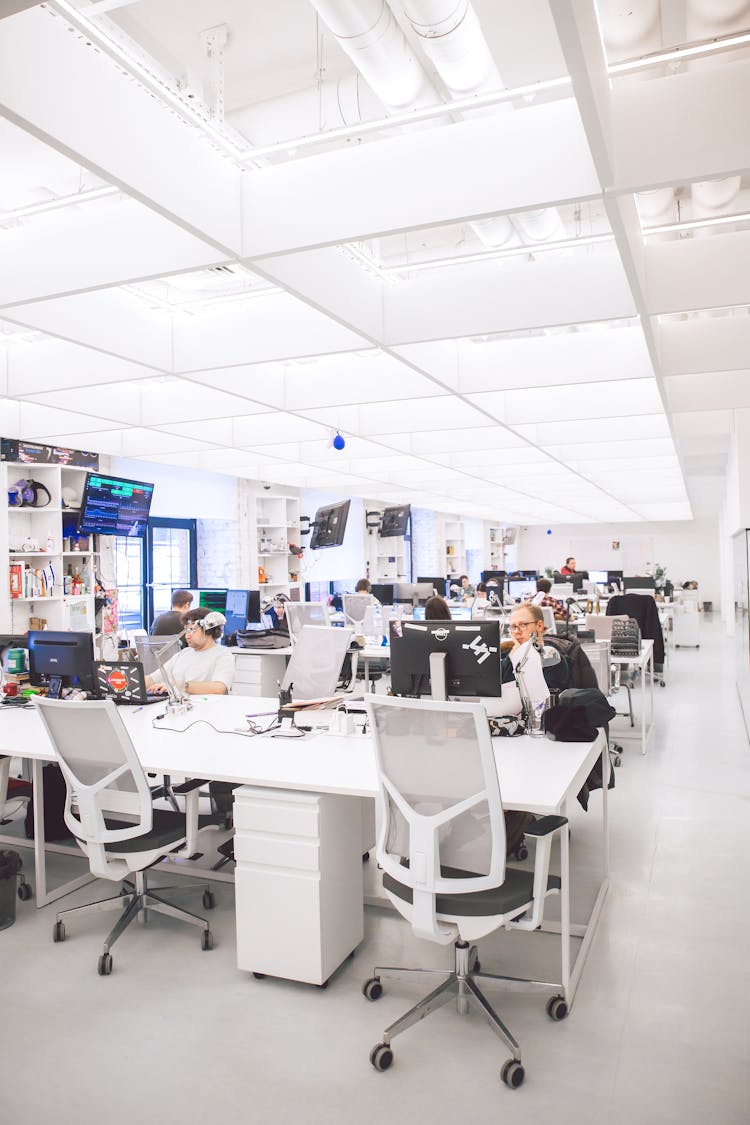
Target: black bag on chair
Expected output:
[55,792]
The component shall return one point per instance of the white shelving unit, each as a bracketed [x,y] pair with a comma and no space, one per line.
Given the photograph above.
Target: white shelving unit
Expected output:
[455,546]
[39,573]
[278,526]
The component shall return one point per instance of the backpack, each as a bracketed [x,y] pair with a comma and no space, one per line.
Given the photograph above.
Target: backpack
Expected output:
[55,793]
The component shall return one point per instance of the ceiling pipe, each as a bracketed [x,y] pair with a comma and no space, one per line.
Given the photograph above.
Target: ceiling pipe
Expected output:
[451,37]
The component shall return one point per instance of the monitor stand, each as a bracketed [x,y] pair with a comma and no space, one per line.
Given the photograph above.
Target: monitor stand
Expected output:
[55,687]
[438,683]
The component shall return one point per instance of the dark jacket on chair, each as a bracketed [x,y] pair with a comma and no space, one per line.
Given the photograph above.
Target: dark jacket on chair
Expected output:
[642,608]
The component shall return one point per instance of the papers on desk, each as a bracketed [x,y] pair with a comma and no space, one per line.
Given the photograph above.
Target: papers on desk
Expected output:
[527,661]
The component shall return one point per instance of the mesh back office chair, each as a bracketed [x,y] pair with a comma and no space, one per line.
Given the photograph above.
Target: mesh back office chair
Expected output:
[299,614]
[109,809]
[442,850]
[600,658]
[355,606]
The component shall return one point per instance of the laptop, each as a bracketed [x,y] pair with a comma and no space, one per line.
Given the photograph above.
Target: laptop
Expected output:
[124,683]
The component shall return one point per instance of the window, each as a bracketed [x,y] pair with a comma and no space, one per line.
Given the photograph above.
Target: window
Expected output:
[147,570]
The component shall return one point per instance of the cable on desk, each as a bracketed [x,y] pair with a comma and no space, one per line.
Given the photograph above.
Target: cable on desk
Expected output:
[254,728]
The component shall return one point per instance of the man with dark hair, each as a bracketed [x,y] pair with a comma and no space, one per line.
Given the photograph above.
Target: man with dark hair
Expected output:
[204,667]
[167,624]
[543,597]
[363,586]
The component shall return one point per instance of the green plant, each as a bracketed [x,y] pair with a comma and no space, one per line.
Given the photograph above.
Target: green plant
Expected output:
[660,574]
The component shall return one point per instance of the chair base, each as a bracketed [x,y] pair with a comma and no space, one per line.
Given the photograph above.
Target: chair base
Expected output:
[463,984]
[134,902]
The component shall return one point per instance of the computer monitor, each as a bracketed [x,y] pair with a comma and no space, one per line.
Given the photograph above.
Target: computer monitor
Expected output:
[578,579]
[521,587]
[531,575]
[638,582]
[395,521]
[614,577]
[114,506]
[438,584]
[472,656]
[253,607]
[460,612]
[317,591]
[498,574]
[61,660]
[383,591]
[599,576]
[207,599]
[330,525]
[236,611]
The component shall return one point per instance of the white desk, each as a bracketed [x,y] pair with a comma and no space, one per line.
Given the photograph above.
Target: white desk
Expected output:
[644,662]
[284,844]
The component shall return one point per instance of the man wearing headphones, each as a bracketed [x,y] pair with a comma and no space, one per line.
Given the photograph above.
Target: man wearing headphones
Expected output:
[204,667]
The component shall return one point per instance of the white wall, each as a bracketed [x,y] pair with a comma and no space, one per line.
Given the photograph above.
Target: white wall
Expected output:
[346,561]
[689,549]
[184,494]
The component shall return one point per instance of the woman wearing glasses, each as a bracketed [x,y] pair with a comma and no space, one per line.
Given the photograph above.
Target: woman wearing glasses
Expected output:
[204,667]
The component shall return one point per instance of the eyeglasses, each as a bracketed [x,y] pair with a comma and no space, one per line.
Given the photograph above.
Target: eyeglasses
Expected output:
[517,626]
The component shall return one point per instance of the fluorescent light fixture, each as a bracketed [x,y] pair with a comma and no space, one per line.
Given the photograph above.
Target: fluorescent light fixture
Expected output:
[57,204]
[488,255]
[155,301]
[409,117]
[695,50]
[698,224]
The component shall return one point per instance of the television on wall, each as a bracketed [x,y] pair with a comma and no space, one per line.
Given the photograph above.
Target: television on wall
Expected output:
[395,521]
[114,506]
[329,525]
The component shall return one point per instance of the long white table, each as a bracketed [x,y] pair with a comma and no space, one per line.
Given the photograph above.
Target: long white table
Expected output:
[286,842]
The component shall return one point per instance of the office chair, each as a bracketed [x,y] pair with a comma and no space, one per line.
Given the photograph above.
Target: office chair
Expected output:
[299,614]
[12,789]
[109,809]
[355,607]
[441,846]
[643,609]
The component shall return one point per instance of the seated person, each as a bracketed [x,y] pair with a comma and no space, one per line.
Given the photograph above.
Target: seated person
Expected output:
[527,622]
[169,624]
[436,609]
[569,568]
[481,599]
[543,597]
[204,667]
[364,587]
[276,614]
[467,590]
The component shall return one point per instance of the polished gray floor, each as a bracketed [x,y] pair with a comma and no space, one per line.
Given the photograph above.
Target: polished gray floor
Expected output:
[660,1031]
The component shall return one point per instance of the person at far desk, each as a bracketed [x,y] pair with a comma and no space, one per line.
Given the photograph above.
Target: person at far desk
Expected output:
[204,667]
[168,624]
[276,614]
[527,623]
[436,609]
[364,587]
[544,598]
[569,568]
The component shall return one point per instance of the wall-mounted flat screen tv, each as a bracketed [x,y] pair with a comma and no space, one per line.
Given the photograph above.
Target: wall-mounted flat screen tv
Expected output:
[114,506]
[395,521]
[330,525]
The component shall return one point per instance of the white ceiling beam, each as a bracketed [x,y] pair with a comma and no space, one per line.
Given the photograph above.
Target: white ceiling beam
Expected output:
[88,109]
[681,128]
[707,344]
[698,273]
[273,327]
[109,320]
[717,390]
[533,157]
[331,281]
[109,242]
[589,286]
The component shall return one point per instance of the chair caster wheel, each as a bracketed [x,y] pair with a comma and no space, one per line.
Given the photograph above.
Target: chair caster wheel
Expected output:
[323,984]
[207,940]
[618,761]
[557,1008]
[381,1056]
[372,989]
[209,900]
[513,1074]
[24,892]
[365,857]
[58,931]
[104,968]
[259,976]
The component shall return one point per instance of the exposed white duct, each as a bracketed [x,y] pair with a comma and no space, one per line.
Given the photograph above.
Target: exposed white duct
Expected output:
[451,36]
[367,31]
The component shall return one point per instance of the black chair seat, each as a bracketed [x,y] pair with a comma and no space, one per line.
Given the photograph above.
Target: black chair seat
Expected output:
[515,892]
[167,828]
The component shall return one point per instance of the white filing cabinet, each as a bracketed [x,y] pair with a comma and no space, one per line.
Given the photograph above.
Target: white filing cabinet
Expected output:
[686,627]
[258,673]
[298,882]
